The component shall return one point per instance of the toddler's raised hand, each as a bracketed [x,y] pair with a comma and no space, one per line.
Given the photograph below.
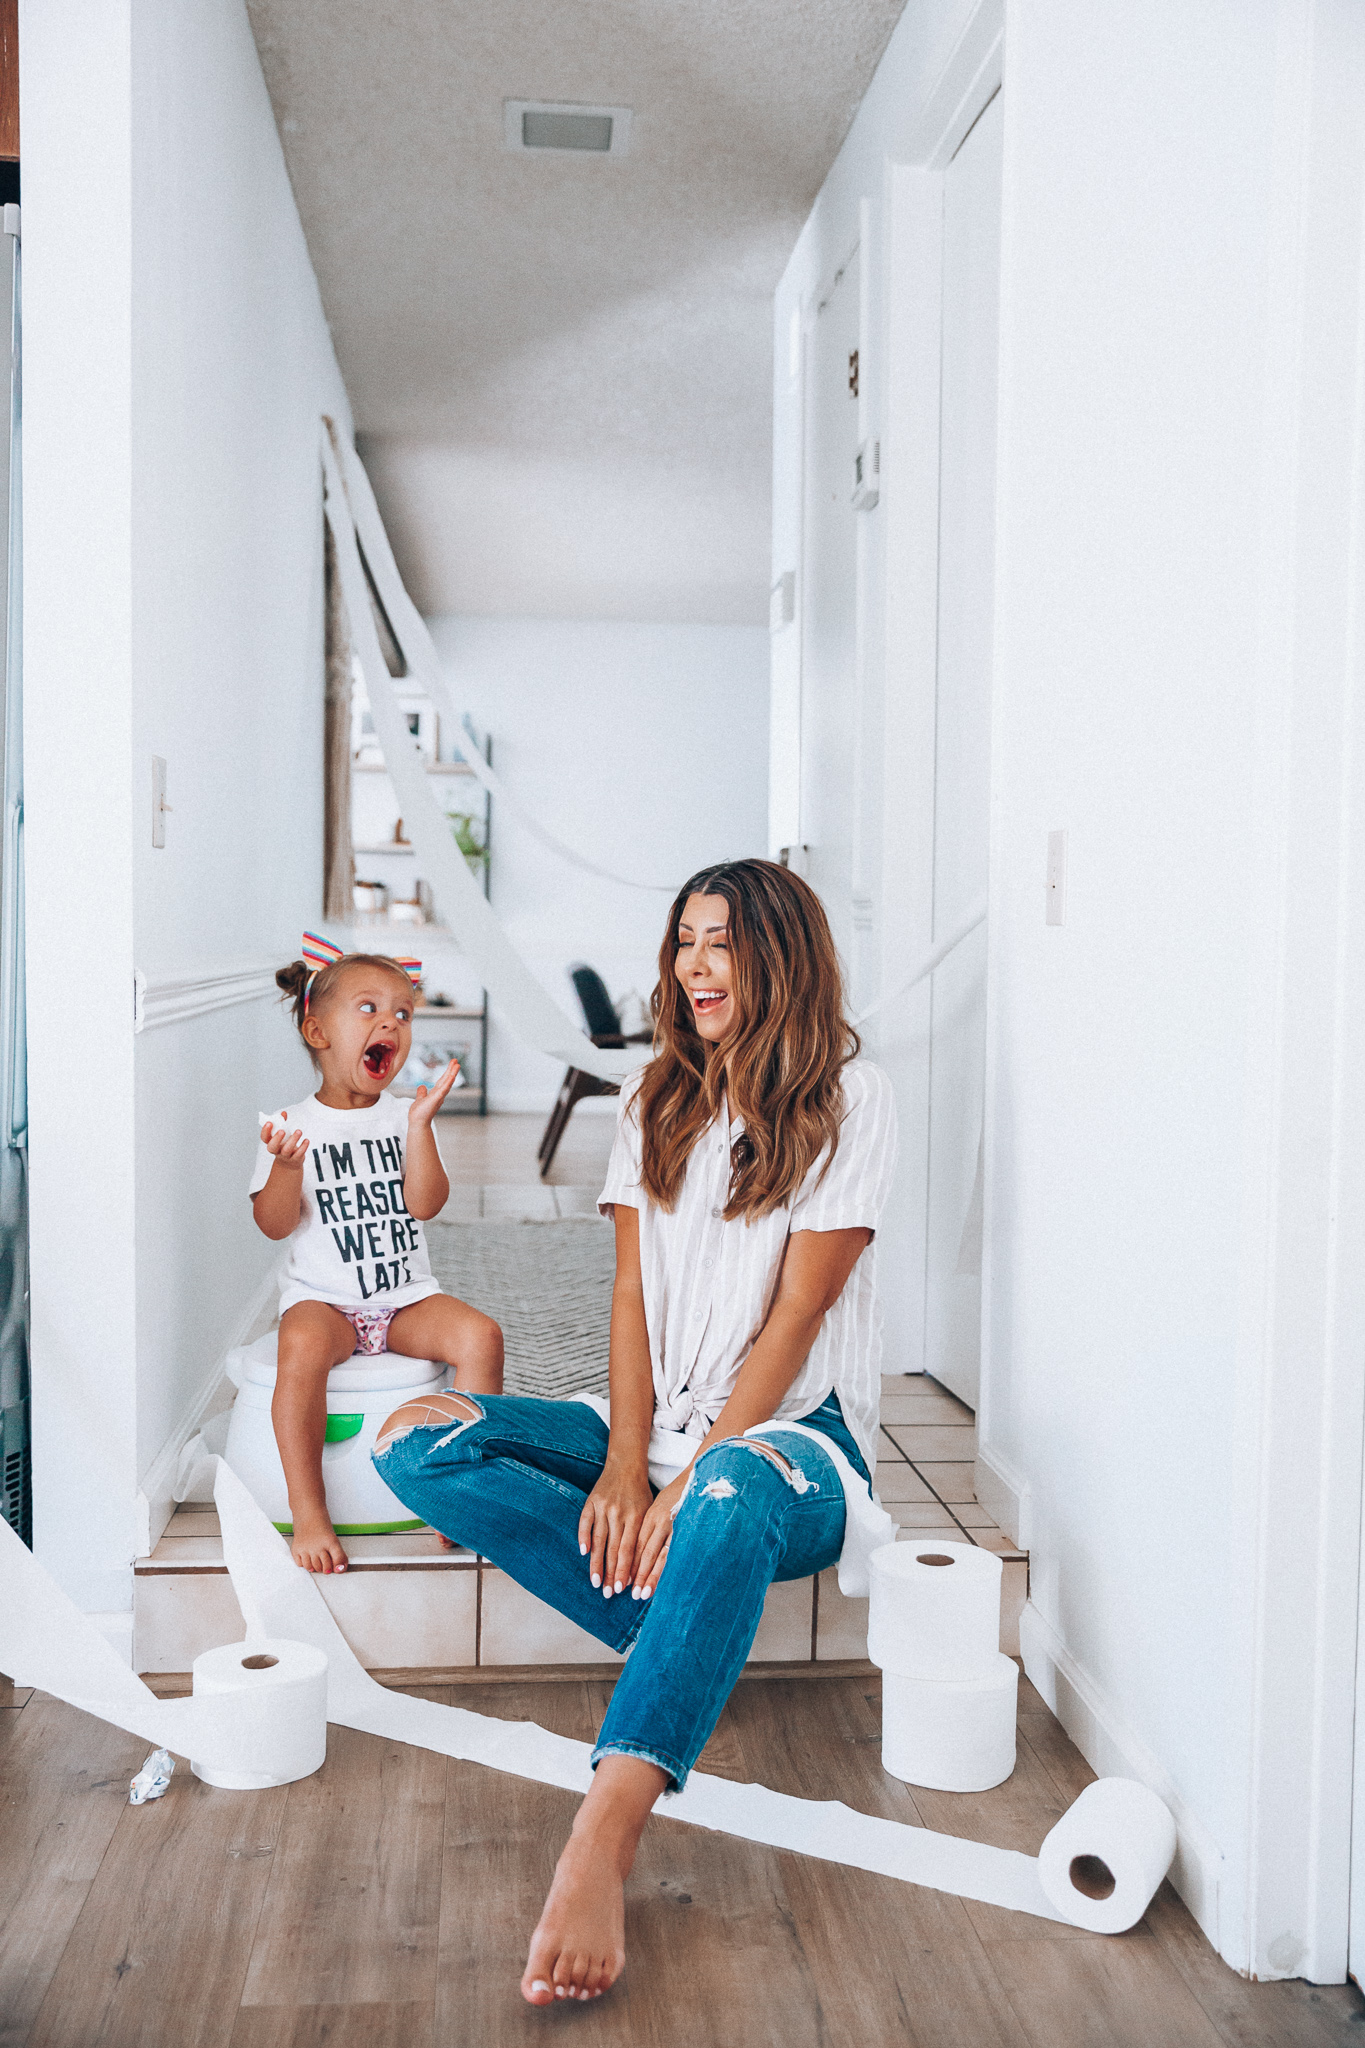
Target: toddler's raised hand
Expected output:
[427,1101]
[286,1150]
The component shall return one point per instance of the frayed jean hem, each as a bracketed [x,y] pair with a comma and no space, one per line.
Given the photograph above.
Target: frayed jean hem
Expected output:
[674,1769]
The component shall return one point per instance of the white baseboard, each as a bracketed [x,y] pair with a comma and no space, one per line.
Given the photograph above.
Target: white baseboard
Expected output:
[1112,1750]
[1004,1492]
[155,1497]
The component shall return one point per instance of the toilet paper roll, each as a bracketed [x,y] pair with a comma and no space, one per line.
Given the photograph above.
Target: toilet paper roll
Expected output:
[934,1610]
[951,1735]
[265,1703]
[1102,1863]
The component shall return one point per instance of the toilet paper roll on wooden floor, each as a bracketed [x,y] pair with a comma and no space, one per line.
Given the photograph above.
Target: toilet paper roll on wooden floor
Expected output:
[271,1720]
[934,1610]
[1100,1866]
[951,1735]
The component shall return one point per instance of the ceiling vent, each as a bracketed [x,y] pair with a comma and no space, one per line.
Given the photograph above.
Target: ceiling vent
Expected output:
[560,126]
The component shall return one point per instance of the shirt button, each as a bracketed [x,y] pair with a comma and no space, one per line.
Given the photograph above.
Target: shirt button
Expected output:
[706,1263]
[715,1212]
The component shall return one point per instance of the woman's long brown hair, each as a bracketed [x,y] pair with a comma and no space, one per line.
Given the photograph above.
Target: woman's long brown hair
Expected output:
[780,1066]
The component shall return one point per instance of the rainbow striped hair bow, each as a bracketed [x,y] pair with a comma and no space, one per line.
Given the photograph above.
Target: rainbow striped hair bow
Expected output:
[319,953]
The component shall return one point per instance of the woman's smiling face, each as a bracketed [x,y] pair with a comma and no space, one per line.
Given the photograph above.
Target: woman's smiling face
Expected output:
[703,965]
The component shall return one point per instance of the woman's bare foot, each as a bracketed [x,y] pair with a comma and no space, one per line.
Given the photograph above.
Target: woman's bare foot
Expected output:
[579,1947]
[315,1543]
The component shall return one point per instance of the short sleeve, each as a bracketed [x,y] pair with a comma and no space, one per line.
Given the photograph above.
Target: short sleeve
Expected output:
[853,1193]
[623,1168]
[260,1172]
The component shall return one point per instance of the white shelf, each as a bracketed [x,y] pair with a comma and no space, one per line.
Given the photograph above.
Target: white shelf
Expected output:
[432,768]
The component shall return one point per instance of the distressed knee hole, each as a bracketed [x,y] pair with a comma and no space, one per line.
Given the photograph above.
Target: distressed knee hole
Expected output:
[724,1489]
[431,1412]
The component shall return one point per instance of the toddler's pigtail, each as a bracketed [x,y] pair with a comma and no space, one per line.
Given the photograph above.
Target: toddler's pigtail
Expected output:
[293,980]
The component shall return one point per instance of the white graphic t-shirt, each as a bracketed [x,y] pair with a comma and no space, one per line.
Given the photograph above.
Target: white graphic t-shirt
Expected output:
[354,1245]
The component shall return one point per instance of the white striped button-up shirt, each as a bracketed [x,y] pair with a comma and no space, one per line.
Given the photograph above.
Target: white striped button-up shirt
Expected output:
[709,1285]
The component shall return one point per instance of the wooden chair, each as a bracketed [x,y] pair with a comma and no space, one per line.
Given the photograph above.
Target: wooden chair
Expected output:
[604,1028]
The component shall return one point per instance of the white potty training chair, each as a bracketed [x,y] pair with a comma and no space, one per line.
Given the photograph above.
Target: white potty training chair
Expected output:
[360,1395]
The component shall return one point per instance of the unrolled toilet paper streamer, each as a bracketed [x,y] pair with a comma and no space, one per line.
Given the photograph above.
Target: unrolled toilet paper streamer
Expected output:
[528,1008]
[934,1610]
[45,1641]
[425,664]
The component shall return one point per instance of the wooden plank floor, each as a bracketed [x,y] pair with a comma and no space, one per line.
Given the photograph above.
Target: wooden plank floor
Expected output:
[385,1903]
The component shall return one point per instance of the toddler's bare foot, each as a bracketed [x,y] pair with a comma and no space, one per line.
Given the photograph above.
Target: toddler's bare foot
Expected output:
[579,1947]
[315,1544]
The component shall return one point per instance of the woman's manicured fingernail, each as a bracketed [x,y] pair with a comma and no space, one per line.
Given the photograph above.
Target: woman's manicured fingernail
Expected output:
[597,1578]
[582,1550]
[648,1590]
[635,1592]
[606,1592]
[619,1587]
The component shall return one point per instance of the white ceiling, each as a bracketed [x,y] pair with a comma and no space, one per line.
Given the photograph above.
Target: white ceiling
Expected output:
[560,364]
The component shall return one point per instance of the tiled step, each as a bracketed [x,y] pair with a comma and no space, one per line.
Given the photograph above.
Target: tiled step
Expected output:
[408,1603]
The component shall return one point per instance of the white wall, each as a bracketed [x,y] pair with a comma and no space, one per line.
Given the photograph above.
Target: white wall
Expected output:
[176,364]
[1175,1368]
[644,747]
[1172,1386]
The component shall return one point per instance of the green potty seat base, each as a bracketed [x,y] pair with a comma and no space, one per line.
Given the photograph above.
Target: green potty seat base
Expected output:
[361,1528]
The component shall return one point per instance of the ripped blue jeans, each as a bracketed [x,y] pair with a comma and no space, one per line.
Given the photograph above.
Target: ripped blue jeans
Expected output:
[511,1486]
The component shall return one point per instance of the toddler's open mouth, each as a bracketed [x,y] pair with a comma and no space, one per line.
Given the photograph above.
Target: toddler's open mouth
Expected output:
[378,1059]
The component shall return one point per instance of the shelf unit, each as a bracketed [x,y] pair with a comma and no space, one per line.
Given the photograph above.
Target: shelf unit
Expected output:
[470,1100]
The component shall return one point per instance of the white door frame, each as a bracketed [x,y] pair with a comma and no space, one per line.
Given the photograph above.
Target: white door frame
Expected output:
[1302,1346]
[913,259]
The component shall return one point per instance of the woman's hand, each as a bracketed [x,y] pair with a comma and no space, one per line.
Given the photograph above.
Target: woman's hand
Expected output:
[609,1526]
[651,1551]
[427,1101]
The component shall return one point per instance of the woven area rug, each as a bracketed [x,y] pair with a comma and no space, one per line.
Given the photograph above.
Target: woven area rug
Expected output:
[548,1284]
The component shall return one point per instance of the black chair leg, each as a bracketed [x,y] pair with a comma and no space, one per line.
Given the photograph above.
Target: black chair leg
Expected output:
[575,1086]
[559,1116]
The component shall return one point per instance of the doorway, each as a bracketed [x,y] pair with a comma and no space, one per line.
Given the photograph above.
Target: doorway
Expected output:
[829,613]
[969,381]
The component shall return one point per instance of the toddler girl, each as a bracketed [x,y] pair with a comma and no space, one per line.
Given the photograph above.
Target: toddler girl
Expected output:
[350,1176]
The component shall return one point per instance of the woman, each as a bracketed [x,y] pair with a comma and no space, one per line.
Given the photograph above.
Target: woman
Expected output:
[752,1159]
